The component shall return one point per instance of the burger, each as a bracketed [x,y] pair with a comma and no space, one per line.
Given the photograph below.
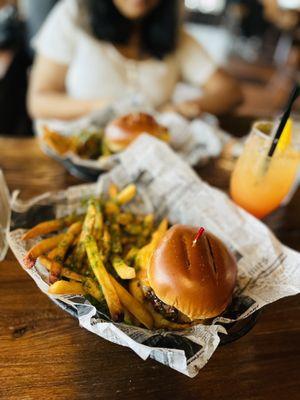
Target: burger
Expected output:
[120,132]
[188,281]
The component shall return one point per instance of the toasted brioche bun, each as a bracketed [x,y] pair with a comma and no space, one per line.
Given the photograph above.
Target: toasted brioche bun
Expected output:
[123,130]
[198,280]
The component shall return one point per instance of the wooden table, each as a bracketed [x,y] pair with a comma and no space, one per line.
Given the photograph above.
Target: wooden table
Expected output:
[44,354]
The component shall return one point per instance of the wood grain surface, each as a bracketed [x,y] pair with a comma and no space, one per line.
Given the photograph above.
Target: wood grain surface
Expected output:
[44,354]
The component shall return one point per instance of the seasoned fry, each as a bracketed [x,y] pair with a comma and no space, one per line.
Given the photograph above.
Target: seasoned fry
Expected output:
[123,270]
[112,190]
[136,290]
[89,286]
[116,243]
[128,317]
[149,221]
[161,323]
[98,223]
[87,144]
[134,229]
[66,287]
[59,143]
[126,195]
[148,224]
[129,240]
[76,240]
[92,288]
[143,257]
[111,208]
[105,244]
[105,149]
[132,253]
[87,230]
[57,255]
[124,218]
[103,278]
[50,226]
[132,305]
[65,272]
[41,248]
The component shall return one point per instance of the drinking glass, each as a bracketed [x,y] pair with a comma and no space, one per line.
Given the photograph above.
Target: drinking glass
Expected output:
[259,183]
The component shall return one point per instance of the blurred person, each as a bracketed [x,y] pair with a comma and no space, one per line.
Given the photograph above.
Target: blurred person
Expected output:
[91,53]
[14,62]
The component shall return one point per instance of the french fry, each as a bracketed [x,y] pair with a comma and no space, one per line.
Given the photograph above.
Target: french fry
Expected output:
[129,318]
[132,253]
[129,240]
[105,149]
[111,208]
[65,272]
[87,230]
[124,218]
[92,288]
[66,287]
[57,255]
[59,143]
[41,248]
[149,221]
[148,225]
[132,305]
[162,323]
[126,195]
[116,243]
[113,190]
[59,252]
[134,229]
[98,223]
[159,321]
[103,278]
[123,270]
[143,257]
[50,226]
[136,290]
[105,244]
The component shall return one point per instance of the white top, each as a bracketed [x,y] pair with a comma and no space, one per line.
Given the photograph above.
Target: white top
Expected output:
[98,70]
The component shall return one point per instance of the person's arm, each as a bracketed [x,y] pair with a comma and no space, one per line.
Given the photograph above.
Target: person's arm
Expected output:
[221,94]
[47,97]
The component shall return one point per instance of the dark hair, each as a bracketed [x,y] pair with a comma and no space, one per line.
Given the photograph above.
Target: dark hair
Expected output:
[159,28]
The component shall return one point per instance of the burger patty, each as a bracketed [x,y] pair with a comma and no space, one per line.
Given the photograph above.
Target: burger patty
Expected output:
[168,312]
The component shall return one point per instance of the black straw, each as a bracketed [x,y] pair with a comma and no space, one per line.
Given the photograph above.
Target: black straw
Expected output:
[295,93]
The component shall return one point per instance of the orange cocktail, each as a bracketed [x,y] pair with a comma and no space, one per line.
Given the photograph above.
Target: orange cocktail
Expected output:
[259,183]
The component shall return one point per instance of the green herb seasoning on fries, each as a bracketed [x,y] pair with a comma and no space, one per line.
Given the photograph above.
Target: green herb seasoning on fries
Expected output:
[95,254]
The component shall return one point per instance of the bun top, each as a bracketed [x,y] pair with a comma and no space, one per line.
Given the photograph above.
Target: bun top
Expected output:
[123,130]
[197,280]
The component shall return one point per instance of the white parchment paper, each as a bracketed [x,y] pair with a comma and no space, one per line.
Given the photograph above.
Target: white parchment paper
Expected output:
[267,270]
[195,141]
